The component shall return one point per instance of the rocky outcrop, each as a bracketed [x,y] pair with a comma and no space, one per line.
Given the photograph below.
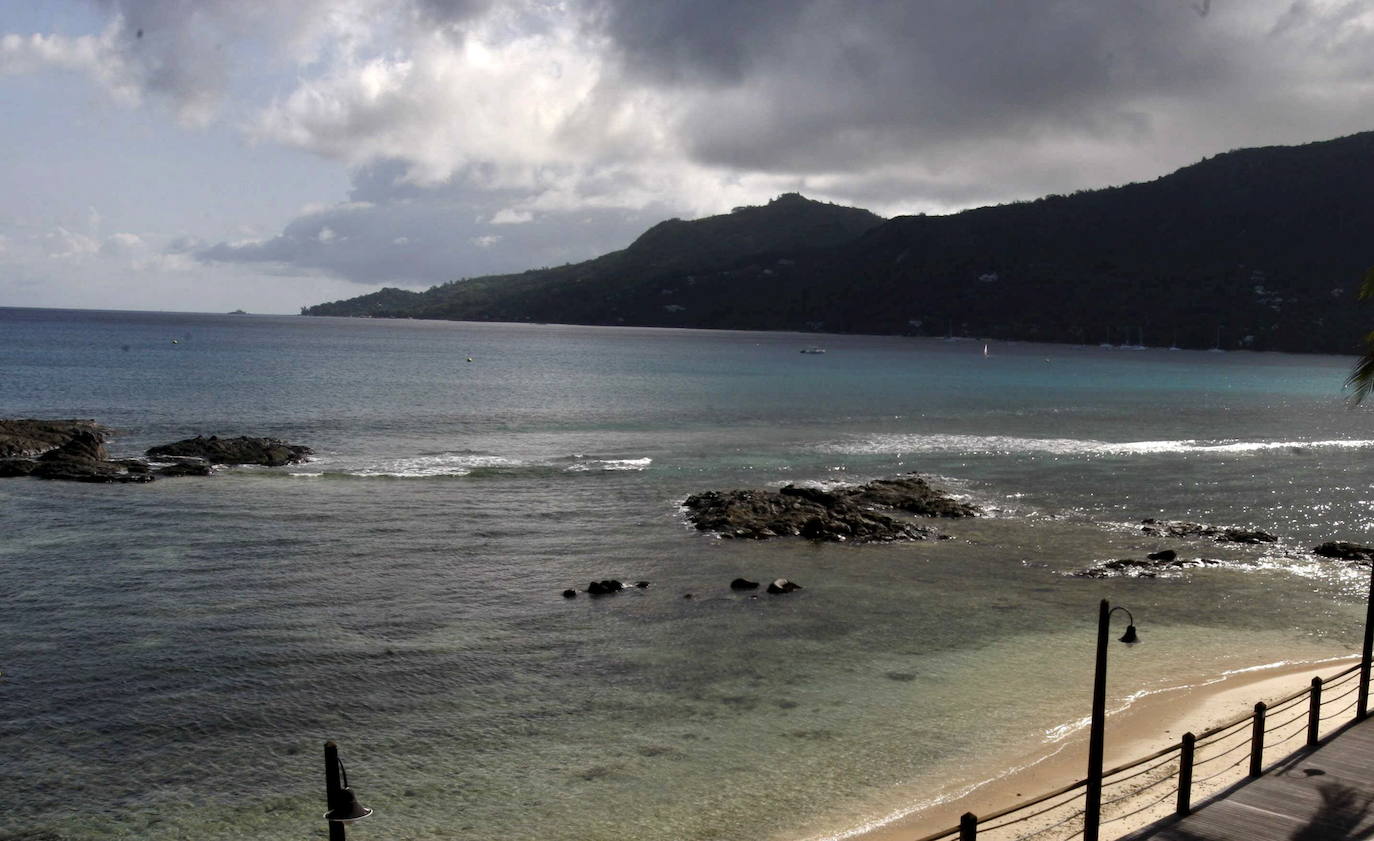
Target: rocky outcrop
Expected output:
[1342,550]
[604,587]
[242,450]
[83,458]
[1132,568]
[844,514]
[1221,534]
[778,586]
[74,451]
[27,438]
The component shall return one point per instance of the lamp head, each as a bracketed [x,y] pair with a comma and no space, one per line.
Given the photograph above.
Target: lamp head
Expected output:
[347,808]
[1130,637]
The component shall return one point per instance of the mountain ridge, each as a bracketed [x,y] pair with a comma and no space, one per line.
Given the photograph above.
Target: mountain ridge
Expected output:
[1260,248]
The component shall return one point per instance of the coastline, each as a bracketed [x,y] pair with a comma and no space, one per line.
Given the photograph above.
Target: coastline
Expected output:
[1149,723]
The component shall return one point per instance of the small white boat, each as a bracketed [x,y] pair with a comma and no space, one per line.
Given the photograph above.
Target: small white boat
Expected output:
[985,351]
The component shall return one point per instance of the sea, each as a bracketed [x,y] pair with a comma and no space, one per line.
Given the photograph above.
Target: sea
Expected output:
[174,655]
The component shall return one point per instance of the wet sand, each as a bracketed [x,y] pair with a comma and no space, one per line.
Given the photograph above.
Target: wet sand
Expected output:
[1149,724]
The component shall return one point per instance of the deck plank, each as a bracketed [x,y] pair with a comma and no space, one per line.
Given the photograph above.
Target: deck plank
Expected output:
[1325,795]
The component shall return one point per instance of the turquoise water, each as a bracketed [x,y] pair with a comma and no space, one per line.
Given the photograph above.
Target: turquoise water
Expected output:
[174,654]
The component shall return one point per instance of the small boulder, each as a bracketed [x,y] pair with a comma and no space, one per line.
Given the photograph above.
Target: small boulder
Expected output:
[1163,555]
[743,584]
[1345,551]
[570,593]
[782,585]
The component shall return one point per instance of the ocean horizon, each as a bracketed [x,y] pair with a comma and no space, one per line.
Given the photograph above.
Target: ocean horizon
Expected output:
[175,654]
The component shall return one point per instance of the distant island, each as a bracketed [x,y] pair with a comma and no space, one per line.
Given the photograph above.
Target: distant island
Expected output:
[1258,249]
[238,312]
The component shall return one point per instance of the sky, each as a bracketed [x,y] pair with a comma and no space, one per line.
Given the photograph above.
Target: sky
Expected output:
[209,155]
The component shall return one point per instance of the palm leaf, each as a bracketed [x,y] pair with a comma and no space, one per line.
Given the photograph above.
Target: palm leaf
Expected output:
[1361,380]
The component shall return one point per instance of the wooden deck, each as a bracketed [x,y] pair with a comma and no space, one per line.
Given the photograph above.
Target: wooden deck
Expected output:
[1326,794]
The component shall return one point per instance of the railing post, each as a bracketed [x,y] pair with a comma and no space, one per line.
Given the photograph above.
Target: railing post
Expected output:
[1185,774]
[1257,740]
[1314,712]
[968,827]
[1362,709]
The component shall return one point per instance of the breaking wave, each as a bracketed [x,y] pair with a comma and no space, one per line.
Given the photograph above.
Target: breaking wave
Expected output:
[459,464]
[1011,445]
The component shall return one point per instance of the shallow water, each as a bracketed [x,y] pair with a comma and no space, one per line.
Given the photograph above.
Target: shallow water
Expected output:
[175,653]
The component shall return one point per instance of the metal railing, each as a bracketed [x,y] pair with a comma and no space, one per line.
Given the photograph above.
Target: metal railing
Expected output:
[1206,761]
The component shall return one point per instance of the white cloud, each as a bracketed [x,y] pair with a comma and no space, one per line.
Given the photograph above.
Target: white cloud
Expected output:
[65,244]
[121,244]
[480,134]
[511,216]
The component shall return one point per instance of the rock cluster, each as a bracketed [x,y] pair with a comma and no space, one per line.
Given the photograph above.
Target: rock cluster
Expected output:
[80,458]
[1159,562]
[74,451]
[241,450]
[610,586]
[841,514]
[26,438]
[1220,534]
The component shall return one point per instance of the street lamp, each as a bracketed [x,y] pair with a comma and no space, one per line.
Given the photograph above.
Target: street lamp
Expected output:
[1092,809]
[344,807]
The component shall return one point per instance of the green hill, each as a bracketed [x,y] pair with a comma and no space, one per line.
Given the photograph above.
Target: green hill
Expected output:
[1257,248]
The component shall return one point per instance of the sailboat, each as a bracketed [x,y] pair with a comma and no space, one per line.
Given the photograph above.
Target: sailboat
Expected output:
[985,351]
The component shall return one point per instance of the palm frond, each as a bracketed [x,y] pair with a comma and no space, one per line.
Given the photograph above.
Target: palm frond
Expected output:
[1367,288]
[1361,380]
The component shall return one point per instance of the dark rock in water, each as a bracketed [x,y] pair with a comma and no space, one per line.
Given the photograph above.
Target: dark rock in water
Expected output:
[841,514]
[643,585]
[743,584]
[1224,535]
[781,585]
[1163,555]
[604,587]
[569,594]
[1345,551]
[242,450]
[83,459]
[26,438]
[1132,568]
[913,495]
[11,468]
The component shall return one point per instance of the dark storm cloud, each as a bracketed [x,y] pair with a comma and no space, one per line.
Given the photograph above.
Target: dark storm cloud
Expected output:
[946,103]
[819,86]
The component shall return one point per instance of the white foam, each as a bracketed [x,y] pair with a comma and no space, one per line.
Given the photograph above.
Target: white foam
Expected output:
[610,464]
[441,464]
[1009,445]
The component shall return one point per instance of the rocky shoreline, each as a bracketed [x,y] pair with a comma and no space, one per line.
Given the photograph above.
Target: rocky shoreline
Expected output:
[75,451]
[856,514]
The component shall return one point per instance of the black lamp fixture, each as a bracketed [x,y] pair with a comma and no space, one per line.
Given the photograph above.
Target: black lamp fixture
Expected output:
[1092,808]
[1130,637]
[344,807]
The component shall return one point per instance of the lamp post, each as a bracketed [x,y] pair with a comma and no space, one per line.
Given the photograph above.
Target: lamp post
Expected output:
[344,807]
[1092,809]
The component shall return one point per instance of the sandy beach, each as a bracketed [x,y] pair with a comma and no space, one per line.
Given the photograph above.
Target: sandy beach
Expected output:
[1148,725]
